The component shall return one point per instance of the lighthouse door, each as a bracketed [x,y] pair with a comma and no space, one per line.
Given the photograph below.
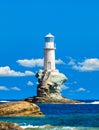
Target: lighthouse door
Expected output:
[49,65]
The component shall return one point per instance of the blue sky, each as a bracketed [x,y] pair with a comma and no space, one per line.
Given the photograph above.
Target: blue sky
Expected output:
[23,25]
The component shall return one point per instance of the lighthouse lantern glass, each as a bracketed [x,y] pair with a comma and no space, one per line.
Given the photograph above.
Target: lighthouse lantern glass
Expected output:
[49,39]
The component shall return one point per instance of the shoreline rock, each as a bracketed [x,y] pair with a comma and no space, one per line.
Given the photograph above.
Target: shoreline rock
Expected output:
[20,108]
[49,100]
[9,126]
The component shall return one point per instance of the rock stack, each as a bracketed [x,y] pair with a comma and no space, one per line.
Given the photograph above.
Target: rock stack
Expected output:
[49,88]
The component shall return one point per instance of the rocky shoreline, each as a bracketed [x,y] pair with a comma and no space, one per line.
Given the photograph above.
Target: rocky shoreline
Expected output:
[20,108]
[10,126]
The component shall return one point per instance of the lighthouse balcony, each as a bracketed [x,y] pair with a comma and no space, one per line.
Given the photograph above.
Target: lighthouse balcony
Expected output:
[49,48]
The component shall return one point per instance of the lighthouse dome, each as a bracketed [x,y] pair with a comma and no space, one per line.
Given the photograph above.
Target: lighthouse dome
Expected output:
[49,38]
[49,35]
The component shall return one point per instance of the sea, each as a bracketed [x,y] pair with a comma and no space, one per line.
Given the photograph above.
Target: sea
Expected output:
[84,116]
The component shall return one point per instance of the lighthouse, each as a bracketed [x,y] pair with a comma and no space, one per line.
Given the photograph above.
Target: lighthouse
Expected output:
[49,78]
[49,53]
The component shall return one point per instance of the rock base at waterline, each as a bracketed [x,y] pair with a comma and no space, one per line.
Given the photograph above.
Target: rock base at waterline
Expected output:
[62,100]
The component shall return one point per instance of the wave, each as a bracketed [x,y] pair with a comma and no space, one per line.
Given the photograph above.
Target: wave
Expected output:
[88,102]
[4,101]
[95,102]
[49,127]
[42,127]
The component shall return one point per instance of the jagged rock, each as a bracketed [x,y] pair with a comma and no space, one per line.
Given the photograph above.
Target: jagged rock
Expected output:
[49,88]
[9,126]
[19,108]
[50,83]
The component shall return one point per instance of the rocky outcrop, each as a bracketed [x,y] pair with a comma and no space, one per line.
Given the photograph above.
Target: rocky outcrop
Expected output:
[49,88]
[20,108]
[50,83]
[9,126]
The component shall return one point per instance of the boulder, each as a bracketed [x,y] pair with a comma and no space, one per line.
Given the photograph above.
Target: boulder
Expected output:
[19,108]
[9,126]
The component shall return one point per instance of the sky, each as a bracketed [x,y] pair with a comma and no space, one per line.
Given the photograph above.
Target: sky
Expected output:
[23,26]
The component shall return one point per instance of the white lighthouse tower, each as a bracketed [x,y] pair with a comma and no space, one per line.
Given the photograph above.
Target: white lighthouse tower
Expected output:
[49,53]
[49,79]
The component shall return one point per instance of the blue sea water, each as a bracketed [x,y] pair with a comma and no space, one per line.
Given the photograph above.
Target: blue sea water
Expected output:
[62,117]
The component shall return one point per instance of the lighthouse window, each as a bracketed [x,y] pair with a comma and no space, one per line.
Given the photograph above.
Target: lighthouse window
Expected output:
[49,65]
[49,39]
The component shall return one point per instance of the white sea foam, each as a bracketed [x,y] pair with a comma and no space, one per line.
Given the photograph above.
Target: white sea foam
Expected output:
[4,101]
[31,126]
[95,102]
[49,127]
[27,126]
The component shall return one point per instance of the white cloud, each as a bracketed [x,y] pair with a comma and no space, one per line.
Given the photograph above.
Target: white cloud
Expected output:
[28,73]
[16,88]
[81,89]
[35,62]
[59,61]
[91,64]
[31,62]
[71,62]
[30,83]
[4,88]
[74,82]
[64,87]
[6,71]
